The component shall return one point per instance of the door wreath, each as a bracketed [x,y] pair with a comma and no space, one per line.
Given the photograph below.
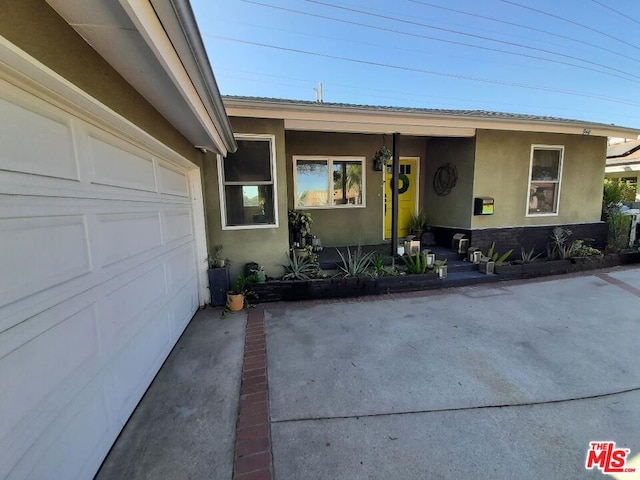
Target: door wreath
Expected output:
[405,183]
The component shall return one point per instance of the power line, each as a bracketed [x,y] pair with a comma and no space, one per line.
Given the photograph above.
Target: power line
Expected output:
[351,41]
[533,29]
[481,37]
[571,22]
[427,37]
[431,72]
[385,93]
[616,11]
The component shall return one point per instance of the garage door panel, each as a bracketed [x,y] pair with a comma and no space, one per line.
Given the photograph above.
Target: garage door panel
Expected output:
[123,308]
[86,429]
[125,235]
[182,308]
[172,182]
[41,252]
[180,268]
[177,225]
[49,137]
[137,364]
[116,166]
[83,424]
[98,280]
[32,372]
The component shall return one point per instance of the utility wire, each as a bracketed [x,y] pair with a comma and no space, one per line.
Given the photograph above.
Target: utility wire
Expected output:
[431,72]
[533,29]
[571,22]
[385,93]
[616,11]
[481,37]
[453,42]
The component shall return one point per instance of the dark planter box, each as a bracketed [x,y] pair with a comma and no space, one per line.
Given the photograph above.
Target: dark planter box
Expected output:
[291,290]
[287,290]
[218,285]
[556,267]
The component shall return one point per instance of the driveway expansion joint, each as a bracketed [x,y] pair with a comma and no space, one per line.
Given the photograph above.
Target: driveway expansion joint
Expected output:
[461,409]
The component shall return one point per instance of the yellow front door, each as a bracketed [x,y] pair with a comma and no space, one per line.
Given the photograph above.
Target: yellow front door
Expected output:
[406,196]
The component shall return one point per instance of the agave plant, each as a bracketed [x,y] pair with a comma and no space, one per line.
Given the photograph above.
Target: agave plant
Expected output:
[416,263]
[528,257]
[354,264]
[299,268]
[496,257]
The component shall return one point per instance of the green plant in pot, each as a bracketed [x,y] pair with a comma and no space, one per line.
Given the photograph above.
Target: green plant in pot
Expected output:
[299,226]
[217,261]
[381,158]
[237,295]
[419,223]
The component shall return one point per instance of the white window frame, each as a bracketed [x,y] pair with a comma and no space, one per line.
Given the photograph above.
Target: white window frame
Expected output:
[535,147]
[329,160]
[222,184]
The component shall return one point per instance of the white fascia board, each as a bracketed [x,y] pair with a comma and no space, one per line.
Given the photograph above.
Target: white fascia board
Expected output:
[146,21]
[377,128]
[623,168]
[363,115]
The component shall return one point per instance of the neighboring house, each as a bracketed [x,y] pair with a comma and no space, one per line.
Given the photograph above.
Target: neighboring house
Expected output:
[102,230]
[623,163]
[540,172]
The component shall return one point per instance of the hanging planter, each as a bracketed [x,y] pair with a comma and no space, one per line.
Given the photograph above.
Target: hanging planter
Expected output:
[381,158]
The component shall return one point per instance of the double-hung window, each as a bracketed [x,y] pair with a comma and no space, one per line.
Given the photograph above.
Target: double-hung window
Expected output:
[329,182]
[545,175]
[247,184]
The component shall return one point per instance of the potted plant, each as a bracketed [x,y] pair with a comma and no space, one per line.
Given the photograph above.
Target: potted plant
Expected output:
[381,158]
[217,261]
[236,296]
[299,226]
[419,223]
[218,274]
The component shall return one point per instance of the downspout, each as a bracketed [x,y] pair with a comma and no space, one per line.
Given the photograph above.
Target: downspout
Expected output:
[394,194]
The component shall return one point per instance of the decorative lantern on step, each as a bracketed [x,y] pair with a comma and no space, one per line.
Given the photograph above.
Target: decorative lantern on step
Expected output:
[487,265]
[460,243]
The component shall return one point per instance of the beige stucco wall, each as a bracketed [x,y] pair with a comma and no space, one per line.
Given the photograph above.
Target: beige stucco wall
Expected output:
[348,226]
[266,246]
[36,28]
[502,172]
[454,209]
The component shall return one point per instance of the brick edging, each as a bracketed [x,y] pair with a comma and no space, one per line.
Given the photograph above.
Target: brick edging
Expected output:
[253,459]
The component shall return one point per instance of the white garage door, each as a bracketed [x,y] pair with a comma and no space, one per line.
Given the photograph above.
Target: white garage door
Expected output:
[97,282]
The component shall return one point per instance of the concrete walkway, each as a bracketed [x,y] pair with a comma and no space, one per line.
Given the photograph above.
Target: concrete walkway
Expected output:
[508,381]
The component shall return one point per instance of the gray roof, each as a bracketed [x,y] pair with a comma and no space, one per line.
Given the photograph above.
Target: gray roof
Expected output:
[622,149]
[427,111]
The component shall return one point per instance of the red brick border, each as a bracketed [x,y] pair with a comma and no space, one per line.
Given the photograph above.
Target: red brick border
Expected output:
[253,459]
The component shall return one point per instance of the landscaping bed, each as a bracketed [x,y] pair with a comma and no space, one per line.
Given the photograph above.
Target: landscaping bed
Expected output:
[325,288]
[545,268]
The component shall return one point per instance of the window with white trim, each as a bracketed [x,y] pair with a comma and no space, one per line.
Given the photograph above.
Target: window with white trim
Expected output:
[247,184]
[329,182]
[545,175]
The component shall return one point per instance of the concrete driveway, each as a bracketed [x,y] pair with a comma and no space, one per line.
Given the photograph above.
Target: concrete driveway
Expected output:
[482,382]
[503,381]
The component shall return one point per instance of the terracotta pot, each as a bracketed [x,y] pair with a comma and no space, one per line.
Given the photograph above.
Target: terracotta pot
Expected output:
[235,303]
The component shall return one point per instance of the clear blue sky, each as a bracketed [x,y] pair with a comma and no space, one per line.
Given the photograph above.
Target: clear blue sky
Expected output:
[423,55]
